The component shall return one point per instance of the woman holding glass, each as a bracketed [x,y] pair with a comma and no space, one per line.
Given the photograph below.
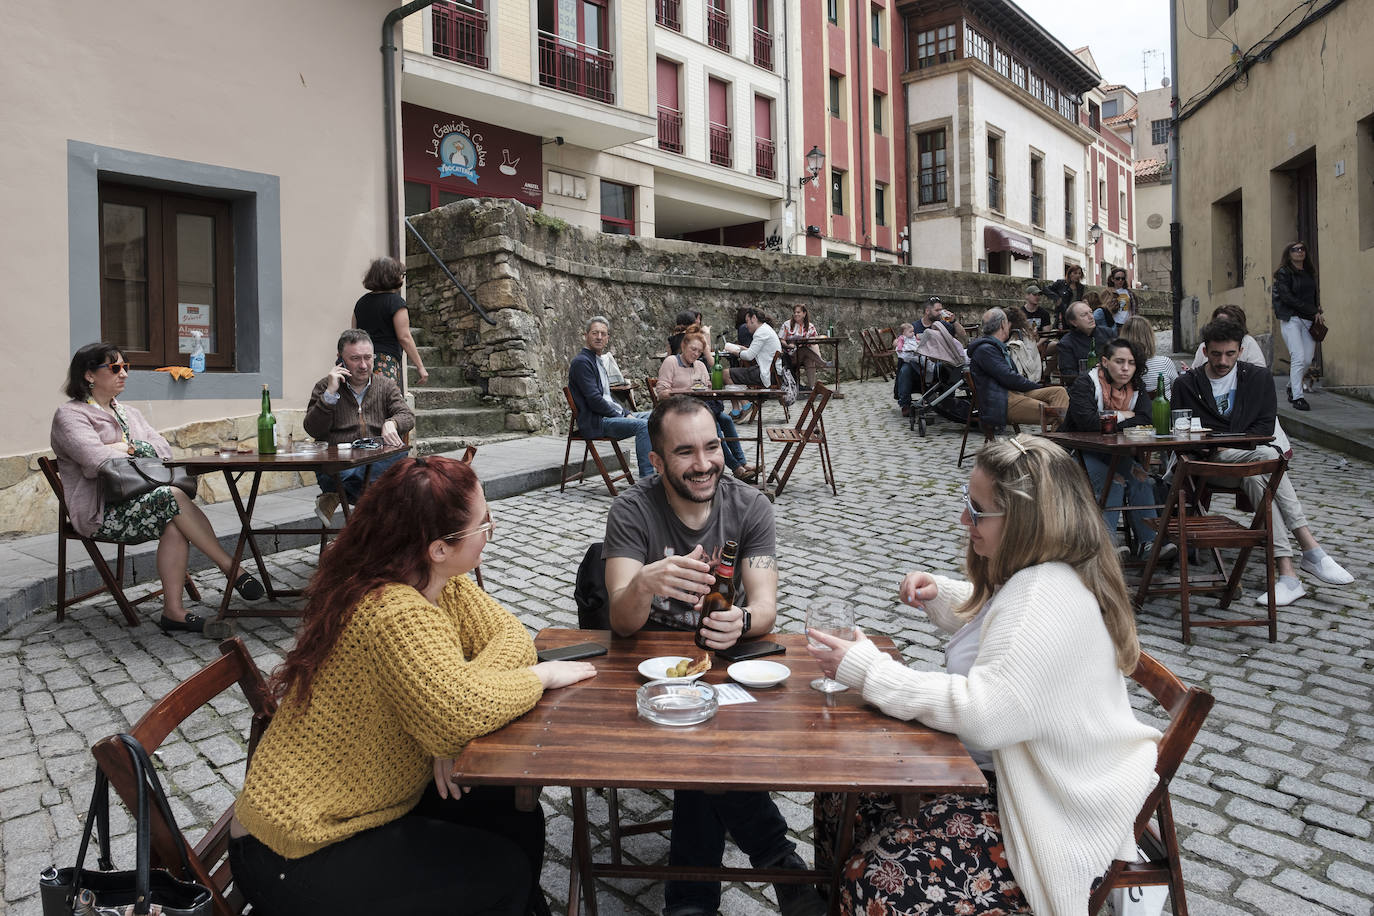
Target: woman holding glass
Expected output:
[400,660]
[687,370]
[1041,637]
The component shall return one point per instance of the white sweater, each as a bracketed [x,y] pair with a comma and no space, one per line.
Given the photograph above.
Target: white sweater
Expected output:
[1045,696]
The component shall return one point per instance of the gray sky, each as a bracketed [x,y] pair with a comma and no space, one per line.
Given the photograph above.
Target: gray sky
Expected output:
[1117,34]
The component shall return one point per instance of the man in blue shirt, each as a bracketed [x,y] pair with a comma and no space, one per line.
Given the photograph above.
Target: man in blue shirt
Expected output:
[598,414]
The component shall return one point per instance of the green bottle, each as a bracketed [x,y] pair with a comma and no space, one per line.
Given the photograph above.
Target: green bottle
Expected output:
[1092,354]
[267,426]
[718,371]
[1160,409]
[830,332]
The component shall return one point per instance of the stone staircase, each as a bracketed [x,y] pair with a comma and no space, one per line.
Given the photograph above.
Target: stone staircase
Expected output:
[450,413]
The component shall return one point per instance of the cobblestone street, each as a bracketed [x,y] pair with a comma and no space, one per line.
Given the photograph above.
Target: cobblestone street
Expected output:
[1274,802]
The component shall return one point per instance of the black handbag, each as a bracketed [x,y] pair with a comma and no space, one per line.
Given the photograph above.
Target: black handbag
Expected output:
[65,891]
[126,478]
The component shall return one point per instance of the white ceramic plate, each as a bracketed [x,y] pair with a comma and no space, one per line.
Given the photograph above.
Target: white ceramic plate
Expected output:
[735,388]
[656,669]
[758,673]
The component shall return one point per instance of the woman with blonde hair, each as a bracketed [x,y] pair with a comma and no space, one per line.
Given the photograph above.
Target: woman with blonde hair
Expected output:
[1042,636]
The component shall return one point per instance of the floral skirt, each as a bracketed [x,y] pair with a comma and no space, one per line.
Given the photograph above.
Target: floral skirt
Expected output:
[948,858]
[140,519]
[388,365]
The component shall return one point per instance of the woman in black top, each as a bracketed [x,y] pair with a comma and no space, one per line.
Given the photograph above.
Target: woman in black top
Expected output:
[1066,292]
[1296,306]
[382,313]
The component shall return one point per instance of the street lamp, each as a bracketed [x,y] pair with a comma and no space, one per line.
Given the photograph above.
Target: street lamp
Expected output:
[1094,233]
[815,160]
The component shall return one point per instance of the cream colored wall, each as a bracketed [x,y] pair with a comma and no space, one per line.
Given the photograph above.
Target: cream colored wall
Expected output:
[1152,200]
[1309,94]
[229,85]
[592,166]
[632,57]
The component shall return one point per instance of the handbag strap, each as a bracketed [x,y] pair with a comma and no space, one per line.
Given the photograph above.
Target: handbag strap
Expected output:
[148,780]
[97,819]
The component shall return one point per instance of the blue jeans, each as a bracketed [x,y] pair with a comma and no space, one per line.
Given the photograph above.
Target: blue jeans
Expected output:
[637,425]
[1139,492]
[700,822]
[907,374]
[352,479]
[734,454]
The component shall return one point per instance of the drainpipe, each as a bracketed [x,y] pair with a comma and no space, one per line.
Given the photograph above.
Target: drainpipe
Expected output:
[787,125]
[1175,227]
[393,194]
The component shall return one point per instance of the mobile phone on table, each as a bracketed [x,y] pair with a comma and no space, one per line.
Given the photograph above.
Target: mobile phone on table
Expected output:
[756,648]
[572,653]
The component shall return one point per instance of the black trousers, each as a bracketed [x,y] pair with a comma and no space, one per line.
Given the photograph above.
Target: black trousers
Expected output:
[448,857]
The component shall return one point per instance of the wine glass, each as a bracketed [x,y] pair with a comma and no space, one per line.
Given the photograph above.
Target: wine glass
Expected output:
[836,618]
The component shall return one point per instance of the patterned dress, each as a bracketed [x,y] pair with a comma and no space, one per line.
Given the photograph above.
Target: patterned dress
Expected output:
[389,366]
[142,518]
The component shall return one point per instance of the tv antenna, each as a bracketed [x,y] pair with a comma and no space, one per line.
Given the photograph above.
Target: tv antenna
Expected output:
[1145,65]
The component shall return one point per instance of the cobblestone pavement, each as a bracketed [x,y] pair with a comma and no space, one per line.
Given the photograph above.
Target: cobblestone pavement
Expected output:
[1274,801]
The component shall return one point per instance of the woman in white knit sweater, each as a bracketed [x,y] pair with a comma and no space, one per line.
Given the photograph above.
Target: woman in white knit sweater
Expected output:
[1042,635]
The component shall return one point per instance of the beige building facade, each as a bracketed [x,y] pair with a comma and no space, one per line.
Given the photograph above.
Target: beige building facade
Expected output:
[160,179]
[1275,147]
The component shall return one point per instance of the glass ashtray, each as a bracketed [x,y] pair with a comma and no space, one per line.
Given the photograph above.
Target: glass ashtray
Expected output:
[676,702]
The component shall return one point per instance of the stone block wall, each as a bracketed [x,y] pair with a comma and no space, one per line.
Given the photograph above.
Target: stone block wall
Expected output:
[540,279]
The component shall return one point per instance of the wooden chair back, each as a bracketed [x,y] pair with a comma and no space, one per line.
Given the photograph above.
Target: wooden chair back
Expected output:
[877,356]
[589,449]
[1187,708]
[809,429]
[112,580]
[209,858]
[651,382]
[975,418]
[1187,524]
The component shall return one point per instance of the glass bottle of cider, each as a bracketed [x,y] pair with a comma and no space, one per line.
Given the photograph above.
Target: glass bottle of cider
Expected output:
[267,425]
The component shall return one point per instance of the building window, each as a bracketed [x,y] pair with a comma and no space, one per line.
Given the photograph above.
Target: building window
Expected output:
[880,204]
[976,45]
[1070,206]
[1067,108]
[617,208]
[837,192]
[1001,62]
[1094,116]
[832,11]
[879,103]
[875,26]
[931,167]
[1037,190]
[1109,108]
[1364,165]
[836,96]
[718,25]
[1036,86]
[423,196]
[166,268]
[1018,73]
[1228,243]
[935,46]
[668,13]
[1037,264]
[1102,193]
[1159,132]
[1051,97]
[994,172]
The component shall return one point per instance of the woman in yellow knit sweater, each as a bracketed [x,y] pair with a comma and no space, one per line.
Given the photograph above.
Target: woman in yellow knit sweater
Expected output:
[400,660]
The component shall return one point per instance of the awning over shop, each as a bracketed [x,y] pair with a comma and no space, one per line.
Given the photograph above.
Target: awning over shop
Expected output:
[995,238]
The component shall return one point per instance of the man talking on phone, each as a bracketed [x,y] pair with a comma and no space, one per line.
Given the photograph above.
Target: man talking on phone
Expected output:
[663,538]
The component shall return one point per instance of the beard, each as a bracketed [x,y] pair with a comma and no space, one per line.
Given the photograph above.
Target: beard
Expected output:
[681,485]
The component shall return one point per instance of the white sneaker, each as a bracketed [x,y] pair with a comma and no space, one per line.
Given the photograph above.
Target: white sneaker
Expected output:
[1285,593]
[1328,570]
[325,504]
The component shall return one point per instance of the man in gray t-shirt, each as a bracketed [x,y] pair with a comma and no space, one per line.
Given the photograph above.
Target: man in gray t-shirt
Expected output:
[663,538]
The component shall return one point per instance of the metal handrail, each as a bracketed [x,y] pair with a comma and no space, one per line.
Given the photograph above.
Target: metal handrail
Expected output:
[481,312]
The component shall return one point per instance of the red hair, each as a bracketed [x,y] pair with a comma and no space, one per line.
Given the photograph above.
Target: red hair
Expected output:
[417,501]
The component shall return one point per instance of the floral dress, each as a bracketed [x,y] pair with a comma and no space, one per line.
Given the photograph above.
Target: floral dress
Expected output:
[142,518]
[389,366]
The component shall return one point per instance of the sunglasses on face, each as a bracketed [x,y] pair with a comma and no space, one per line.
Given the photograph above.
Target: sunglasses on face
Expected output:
[116,368]
[975,515]
[1298,248]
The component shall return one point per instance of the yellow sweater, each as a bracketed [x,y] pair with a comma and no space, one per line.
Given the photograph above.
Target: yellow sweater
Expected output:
[407,682]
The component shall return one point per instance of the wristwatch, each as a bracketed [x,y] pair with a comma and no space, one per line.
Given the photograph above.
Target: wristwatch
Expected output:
[748,623]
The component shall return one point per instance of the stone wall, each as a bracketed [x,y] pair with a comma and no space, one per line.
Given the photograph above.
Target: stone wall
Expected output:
[28,506]
[540,279]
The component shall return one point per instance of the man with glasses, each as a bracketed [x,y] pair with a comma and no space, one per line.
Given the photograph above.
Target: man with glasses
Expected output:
[598,414]
[350,405]
[663,538]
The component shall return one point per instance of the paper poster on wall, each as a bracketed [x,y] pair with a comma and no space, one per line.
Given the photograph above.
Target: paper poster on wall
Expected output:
[194,317]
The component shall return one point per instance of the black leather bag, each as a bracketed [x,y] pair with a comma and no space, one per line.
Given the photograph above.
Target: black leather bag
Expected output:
[126,478]
[65,891]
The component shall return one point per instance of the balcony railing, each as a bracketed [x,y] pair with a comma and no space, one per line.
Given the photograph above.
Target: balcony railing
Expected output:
[668,13]
[1068,224]
[1037,210]
[669,129]
[718,28]
[460,34]
[765,153]
[574,67]
[720,145]
[994,192]
[763,48]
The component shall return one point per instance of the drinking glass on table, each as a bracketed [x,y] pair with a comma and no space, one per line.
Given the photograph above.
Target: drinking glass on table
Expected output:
[836,618]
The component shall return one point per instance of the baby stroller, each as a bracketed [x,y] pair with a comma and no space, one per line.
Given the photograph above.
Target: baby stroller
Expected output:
[940,361]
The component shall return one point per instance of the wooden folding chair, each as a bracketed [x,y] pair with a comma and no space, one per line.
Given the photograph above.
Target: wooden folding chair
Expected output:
[1187,708]
[113,580]
[210,857]
[1187,524]
[589,448]
[975,418]
[881,359]
[809,428]
[651,382]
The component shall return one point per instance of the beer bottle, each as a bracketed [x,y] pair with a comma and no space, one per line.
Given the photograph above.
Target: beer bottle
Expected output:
[267,426]
[1160,409]
[722,594]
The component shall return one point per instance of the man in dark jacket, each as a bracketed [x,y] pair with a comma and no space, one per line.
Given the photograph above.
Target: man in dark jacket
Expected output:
[1231,396]
[1078,342]
[1005,396]
[598,414]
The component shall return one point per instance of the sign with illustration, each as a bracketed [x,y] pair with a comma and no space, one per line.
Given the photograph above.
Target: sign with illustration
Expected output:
[469,157]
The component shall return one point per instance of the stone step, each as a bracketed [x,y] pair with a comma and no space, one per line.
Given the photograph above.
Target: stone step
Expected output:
[429,354]
[435,445]
[460,421]
[439,376]
[431,397]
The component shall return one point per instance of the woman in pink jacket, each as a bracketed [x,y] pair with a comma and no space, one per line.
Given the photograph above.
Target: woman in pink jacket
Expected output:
[93,427]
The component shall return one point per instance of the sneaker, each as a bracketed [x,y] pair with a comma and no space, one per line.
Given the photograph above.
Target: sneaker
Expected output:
[1287,590]
[1328,570]
[1168,553]
[1301,404]
[325,504]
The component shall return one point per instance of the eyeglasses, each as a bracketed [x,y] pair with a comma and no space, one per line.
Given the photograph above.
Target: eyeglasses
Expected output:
[116,368]
[1298,248]
[975,515]
[489,527]
[369,442]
